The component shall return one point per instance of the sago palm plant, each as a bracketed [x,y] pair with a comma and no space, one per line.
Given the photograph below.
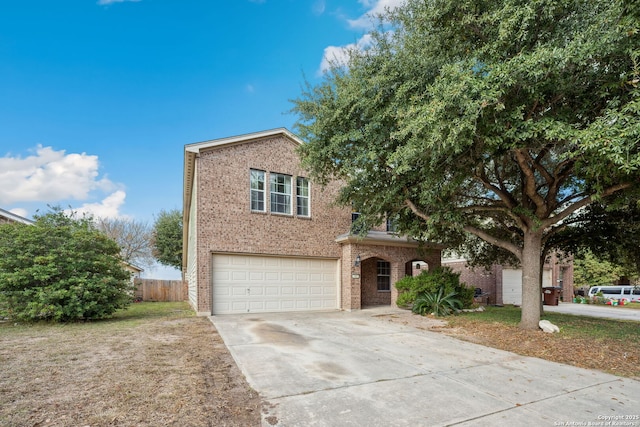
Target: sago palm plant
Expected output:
[436,303]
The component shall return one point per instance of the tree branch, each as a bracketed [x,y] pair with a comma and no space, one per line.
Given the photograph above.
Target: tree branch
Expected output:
[504,195]
[530,181]
[582,203]
[494,240]
[561,174]
[538,166]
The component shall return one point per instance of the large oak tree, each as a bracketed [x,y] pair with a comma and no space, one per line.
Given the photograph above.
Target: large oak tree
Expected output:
[498,119]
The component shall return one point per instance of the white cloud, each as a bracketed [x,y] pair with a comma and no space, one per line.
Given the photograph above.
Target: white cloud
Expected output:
[107,208]
[375,8]
[105,2]
[50,176]
[20,212]
[339,55]
[319,7]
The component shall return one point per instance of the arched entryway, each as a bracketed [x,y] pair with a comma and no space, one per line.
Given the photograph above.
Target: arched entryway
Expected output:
[372,264]
[415,267]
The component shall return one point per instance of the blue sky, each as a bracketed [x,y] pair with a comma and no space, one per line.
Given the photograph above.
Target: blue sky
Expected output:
[99,97]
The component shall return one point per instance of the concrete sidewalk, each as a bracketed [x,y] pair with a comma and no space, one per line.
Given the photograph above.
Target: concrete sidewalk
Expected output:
[355,369]
[591,310]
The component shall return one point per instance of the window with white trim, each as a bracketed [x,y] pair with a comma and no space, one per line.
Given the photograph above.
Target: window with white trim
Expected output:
[302,197]
[280,186]
[257,191]
[384,276]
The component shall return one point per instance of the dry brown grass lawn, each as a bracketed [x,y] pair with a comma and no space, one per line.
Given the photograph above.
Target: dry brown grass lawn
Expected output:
[157,367]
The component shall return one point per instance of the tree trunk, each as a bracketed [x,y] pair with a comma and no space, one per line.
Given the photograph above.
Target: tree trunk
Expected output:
[531,267]
[542,258]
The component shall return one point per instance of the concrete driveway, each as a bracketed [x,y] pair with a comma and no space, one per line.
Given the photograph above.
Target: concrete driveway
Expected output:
[358,369]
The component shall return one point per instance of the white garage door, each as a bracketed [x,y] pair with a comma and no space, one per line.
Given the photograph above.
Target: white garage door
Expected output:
[512,285]
[260,284]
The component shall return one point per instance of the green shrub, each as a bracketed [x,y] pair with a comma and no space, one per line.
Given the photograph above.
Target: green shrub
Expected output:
[437,303]
[60,269]
[430,282]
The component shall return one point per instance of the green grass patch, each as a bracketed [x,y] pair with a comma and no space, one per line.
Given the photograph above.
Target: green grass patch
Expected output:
[571,326]
[130,317]
[146,310]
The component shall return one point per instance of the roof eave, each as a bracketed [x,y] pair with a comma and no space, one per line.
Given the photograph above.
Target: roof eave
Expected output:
[381,238]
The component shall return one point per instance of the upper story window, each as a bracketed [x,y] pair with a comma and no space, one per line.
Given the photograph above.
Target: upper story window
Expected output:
[280,193]
[284,191]
[257,191]
[302,196]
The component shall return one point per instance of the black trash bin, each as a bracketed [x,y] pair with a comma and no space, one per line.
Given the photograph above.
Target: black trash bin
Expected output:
[551,295]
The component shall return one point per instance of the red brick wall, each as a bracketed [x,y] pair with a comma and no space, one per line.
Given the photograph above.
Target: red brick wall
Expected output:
[226,223]
[490,281]
[353,286]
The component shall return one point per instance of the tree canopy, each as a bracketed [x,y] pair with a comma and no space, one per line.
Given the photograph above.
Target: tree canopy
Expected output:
[498,119]
[590,271]
[608,232]
[133,237]
[61,268]
[167,238]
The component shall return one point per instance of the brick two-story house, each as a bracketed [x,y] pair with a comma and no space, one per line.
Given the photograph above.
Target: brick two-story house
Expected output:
[260,236]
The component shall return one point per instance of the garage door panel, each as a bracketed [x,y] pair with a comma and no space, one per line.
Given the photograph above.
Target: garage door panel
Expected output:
[287,305]
[239,276]
[257,276]
[237,261]
[271,305]
[244,283]
[287,290]
[238,291]
[315,290]
[221,275]
[272,291]
[271,276]
[256,262]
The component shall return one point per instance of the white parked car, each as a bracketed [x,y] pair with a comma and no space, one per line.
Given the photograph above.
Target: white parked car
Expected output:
[630,293]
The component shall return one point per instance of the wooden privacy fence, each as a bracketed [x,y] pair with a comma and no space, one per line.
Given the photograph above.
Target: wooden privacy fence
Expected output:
[160,290]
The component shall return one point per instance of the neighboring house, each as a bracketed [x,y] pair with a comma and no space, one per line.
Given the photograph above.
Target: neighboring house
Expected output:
[133,270]
[6,216]
[503,284]
[260,236]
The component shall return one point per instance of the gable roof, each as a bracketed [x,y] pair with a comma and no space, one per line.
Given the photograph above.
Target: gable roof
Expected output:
[14,218]
[191,151]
